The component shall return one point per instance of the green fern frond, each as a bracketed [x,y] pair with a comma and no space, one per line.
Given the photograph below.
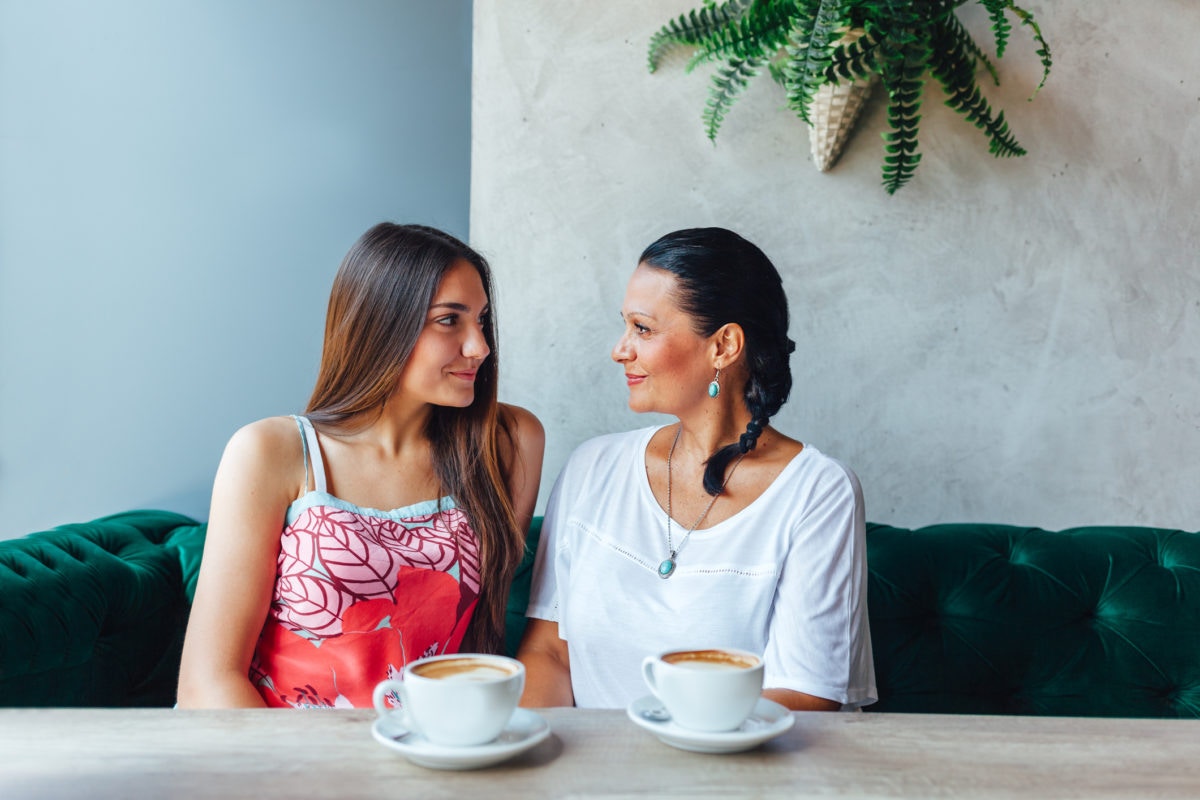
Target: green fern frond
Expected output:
[693,28]
[853,60]
[1002,30]
[954,68]
[777,67]
[758,33]
[893,26]
[1043,49]
[810,54]
[1001,27]
[728,84]
[978,112]
[964,40]
[1003,145]
[903,61]
[957,52]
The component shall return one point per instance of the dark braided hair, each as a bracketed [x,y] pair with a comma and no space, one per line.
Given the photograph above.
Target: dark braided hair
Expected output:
[722,279]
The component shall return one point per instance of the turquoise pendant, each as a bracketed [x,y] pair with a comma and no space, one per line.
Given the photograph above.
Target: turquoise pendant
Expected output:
[666,567]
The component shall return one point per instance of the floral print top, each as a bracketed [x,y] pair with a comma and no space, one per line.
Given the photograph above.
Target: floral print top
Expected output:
[359,593]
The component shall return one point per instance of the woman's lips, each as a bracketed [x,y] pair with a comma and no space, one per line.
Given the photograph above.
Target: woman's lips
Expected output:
[466,374]
[633,380]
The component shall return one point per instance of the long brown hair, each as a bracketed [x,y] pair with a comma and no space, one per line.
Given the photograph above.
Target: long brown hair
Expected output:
[377,308]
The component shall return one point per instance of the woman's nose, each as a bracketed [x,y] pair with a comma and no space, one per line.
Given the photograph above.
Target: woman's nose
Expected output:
[476,345]
[621,351]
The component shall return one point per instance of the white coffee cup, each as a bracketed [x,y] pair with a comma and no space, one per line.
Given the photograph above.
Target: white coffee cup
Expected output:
[713,689]
[456,700]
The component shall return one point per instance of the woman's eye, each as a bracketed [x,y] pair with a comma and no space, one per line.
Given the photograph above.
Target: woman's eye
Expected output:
[637,328]
[448,320]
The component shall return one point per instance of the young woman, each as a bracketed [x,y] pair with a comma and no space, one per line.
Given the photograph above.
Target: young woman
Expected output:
[715,531]
[383,525]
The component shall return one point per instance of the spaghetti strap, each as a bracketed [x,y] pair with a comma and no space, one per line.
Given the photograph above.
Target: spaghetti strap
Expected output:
[303,444]
[312,453]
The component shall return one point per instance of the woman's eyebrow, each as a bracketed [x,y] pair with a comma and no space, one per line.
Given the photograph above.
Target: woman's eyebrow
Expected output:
[456,306]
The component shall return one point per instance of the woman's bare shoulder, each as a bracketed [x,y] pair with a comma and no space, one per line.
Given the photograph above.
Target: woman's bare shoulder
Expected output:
[270,446]
[267,435]
[526,436]
[779,444]
[522,422]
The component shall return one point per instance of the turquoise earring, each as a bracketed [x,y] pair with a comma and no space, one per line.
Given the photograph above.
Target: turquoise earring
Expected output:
[714,388]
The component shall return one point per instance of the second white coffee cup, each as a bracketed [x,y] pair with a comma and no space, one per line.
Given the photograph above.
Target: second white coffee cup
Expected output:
[457,700]
[708,690]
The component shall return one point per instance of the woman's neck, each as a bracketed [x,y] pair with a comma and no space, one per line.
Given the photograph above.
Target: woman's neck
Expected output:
[711,428]
[392,429]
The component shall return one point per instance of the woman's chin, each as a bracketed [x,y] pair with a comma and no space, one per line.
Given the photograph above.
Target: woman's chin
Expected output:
[641,407]
[455,400]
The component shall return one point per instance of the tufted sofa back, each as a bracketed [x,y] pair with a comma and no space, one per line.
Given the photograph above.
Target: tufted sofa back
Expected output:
[93,614]
[970,618]
[1098,621]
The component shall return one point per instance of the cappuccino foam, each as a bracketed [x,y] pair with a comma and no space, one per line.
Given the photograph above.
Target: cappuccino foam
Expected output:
[710,660]
[463,669]
[707,665]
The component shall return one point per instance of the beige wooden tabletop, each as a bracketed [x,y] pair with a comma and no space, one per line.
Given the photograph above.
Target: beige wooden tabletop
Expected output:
[159,753]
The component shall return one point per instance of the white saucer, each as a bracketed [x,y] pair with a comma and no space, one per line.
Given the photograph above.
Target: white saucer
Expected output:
[768,720]
[525,730]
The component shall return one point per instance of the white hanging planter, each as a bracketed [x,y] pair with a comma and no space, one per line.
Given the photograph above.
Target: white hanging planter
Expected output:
[834,109]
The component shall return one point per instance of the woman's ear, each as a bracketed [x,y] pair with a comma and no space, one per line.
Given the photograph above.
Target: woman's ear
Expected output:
[728,343]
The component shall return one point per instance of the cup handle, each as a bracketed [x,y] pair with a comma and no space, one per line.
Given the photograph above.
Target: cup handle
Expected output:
[379,699]
[648,673]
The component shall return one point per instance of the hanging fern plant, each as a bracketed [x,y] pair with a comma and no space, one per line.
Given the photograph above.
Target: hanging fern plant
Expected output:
[809,46]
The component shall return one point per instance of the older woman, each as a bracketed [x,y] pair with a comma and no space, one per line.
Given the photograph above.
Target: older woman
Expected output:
[717,530]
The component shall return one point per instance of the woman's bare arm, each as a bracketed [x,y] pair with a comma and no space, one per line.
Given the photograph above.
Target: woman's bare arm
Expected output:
[799,701]
[524,462]
[260,474]
[547,666]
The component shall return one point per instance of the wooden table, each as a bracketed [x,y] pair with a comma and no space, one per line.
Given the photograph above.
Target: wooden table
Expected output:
[159,753]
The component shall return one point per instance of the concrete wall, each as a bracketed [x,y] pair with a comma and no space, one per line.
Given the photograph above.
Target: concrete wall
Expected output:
[1003,340]
[178,183]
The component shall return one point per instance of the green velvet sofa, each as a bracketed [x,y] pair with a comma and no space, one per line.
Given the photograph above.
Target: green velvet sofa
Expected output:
[966,618]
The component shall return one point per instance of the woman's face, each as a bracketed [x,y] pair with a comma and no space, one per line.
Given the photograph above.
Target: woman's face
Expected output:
[667,367]
[451,346]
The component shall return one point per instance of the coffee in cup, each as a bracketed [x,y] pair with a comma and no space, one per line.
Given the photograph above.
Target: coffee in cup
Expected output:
[462,668]
[711,689]
[456,700]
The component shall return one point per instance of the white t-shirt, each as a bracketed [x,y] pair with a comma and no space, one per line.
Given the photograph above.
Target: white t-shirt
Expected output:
[785,577]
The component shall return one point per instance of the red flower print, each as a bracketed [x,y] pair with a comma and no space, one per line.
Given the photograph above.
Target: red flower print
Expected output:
[378,637]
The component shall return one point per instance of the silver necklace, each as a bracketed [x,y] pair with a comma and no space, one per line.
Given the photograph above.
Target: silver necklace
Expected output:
[666,567]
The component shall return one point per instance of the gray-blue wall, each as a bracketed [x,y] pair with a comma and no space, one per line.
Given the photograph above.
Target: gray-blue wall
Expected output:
[178,182]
